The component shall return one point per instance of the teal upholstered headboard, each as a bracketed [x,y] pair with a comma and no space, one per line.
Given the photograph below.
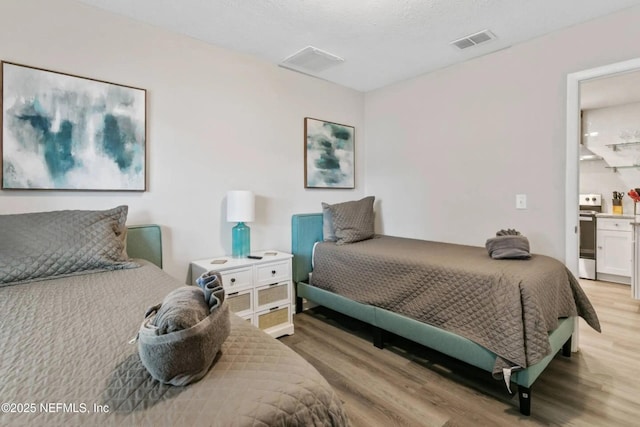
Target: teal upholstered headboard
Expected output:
[306,229]
[145,241]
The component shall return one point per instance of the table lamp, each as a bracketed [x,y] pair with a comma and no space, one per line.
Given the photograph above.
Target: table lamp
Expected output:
[240,209]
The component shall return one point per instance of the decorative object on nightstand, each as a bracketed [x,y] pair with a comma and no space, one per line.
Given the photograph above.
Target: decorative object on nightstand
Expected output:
[260,290]
[240,209]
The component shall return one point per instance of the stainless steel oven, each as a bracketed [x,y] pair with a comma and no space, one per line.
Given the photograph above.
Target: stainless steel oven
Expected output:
[590,206]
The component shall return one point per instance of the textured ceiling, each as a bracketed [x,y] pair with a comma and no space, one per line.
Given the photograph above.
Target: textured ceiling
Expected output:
[381,41]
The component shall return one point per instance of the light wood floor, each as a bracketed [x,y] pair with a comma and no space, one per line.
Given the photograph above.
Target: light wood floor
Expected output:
[407,384]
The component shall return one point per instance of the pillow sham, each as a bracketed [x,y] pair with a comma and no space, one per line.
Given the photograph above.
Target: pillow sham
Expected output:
[328,233]
[352,221]
[41,245]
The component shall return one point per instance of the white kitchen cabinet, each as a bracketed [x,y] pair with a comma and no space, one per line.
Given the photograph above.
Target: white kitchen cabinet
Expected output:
[635,277]
[614,256]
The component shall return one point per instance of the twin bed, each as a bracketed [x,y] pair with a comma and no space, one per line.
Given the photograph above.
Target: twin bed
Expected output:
[66,357]
[508,317]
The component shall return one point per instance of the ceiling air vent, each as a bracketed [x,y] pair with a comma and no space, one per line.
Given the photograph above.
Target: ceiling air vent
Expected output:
[473,39]
[311,60]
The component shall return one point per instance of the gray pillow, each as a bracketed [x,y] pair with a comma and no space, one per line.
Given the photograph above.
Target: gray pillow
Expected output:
[41,245]
[353,221]
[328,233]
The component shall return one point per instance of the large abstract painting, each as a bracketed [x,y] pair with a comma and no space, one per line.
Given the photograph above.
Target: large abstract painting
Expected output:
[328,155]
[64,132]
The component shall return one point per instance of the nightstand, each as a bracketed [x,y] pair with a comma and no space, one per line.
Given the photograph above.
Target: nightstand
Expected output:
[258,290]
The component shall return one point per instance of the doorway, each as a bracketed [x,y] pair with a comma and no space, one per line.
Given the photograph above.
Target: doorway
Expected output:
[573,139]
[572,169]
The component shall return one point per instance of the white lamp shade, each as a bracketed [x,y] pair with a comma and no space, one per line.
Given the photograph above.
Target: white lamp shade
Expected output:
[240,206]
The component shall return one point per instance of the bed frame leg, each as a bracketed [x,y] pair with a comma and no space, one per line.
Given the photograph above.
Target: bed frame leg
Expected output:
[378,337]
[299,305]
[524,393]
[566,348]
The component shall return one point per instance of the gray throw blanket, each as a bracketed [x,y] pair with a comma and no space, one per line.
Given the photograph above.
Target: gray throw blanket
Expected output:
[508,244]
[180,338]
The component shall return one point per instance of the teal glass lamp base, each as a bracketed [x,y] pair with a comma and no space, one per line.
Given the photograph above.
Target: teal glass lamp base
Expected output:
[240,240]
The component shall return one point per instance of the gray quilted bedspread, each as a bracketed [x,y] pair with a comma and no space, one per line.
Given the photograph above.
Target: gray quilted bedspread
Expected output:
[507,306]
[65,349]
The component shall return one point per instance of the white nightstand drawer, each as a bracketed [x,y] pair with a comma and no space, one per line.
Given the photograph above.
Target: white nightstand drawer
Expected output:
[239,278]
[614,224]
[273,273]
[257,289]
[240,301]
[272,295]
[274,317]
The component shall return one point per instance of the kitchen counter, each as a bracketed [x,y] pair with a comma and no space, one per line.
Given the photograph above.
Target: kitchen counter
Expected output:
[611,215]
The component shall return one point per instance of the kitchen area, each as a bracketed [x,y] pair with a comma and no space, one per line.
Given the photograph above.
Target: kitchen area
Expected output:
[609,176]
[606,242]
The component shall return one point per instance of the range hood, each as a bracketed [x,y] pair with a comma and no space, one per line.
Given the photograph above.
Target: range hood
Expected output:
[586,154]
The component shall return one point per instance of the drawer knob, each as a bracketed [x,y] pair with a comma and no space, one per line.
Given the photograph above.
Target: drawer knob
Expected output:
[273,272]
[233,280]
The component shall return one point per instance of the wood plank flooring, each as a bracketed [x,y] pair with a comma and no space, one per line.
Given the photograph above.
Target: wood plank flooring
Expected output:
[409,385]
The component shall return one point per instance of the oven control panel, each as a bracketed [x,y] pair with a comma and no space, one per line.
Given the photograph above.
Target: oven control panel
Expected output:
[590,199]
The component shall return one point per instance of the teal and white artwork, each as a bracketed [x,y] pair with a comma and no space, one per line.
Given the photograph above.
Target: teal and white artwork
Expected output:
[329,154]
[64,132]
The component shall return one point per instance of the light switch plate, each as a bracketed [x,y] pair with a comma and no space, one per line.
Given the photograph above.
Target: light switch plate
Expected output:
[521,201]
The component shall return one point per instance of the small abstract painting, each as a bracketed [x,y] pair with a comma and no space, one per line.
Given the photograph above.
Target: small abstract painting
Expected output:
[64,132]
[329,155]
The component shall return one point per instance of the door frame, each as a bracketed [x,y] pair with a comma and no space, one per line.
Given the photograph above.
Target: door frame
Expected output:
[572,170]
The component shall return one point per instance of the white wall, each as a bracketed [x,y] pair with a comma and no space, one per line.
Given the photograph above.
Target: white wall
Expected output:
[216,121]
[605,126]
[461,142]
[445,153]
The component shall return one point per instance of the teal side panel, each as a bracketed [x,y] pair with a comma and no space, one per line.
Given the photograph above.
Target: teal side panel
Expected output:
[145,241]
[466,350]
[306,229]
[438,339]
[557,338]
[336,302]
